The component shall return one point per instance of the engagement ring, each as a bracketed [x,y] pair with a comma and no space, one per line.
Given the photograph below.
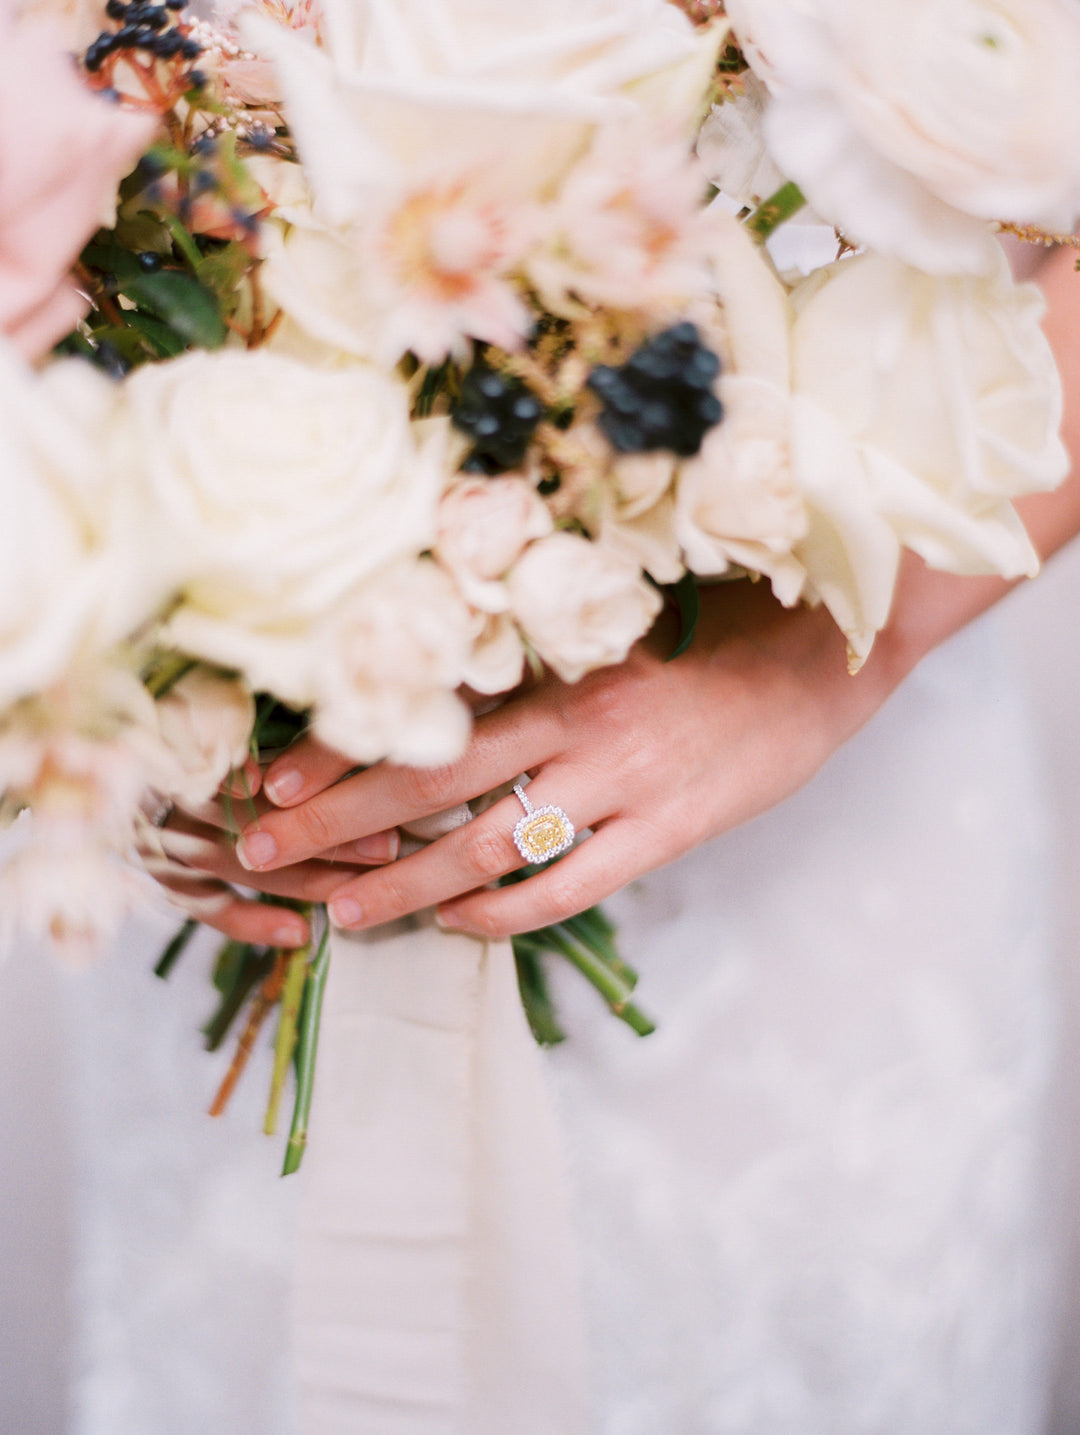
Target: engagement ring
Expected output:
[543,832]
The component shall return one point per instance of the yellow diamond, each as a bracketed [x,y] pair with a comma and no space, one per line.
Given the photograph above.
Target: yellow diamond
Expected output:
[543,834]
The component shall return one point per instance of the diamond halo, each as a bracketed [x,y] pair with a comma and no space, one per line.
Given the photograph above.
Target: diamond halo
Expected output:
[543,832]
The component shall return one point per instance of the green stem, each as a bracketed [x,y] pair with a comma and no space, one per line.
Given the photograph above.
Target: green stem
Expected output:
[615,991]
[165,672]
[175,950]
[183,241]
[306,1050]
[776,210]
[285,1040]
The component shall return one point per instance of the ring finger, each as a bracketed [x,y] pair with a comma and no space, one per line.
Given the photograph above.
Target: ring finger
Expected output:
[470,856]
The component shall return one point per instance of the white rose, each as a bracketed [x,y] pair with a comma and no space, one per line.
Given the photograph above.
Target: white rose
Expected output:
[385,666]
[286,486]
[918,427]
[81,563]
[484,523]
[580,605]
[909,123]
[205,721]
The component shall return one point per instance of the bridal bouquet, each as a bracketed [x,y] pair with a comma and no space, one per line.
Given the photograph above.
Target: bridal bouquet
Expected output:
[383,350]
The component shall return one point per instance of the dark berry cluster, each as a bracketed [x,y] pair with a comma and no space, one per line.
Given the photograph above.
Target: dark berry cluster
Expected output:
[146,25]
[662,397]
[500,414]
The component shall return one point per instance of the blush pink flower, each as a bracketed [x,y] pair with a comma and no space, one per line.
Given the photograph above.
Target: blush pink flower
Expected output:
[62,152]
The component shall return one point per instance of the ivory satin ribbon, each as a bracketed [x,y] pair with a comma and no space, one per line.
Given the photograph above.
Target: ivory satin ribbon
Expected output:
[437,1289]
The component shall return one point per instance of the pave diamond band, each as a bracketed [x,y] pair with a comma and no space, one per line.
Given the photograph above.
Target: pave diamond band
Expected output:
[543,832]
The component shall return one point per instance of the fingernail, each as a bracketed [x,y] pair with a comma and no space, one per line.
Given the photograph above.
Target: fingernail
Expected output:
[289,934]
[255,850]
[346,911]
[450,920]
[379,847]
[284,785]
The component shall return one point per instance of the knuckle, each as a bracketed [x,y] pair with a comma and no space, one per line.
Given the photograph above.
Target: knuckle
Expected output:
[564,893]
[315,826]
[433,788]
[389,899]
[485,850]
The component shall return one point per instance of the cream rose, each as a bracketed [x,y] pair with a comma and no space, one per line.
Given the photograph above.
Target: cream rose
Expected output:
[909,123]
[285,486]
[205,721]
[385,666]
[579,604]
[484,523]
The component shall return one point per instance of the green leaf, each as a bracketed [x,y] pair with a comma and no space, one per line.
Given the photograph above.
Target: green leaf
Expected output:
[535,998]
[688,601]
[166,343]
[180,301]
[222,270]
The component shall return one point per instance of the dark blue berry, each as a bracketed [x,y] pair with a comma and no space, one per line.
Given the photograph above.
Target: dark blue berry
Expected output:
[115,9]
[149,262]
[168,45]
[103,46]
[190,49]
[499,414]
[197,80]
[662,397]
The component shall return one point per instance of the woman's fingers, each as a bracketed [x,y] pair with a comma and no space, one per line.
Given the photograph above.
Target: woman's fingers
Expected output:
[513,739]
[592,871]
[308,767]
[468,857]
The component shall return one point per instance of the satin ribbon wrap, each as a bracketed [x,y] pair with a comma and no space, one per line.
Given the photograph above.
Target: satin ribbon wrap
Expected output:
[437,1290]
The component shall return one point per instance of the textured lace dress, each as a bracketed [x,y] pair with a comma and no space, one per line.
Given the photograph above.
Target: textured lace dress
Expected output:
[813,1203]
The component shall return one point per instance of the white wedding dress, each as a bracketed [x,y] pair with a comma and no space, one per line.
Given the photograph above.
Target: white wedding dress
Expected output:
[813,1203]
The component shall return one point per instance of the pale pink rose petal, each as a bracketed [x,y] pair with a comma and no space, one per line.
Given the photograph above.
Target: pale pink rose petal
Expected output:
[62,152]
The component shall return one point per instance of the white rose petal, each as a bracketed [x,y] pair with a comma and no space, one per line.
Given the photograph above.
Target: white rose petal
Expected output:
[951,396]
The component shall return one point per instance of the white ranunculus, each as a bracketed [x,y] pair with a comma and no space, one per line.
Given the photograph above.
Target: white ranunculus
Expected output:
[81,562]
[910,123]
[484,523]
[205,721]
[385,666]
[579,604]
[286,487]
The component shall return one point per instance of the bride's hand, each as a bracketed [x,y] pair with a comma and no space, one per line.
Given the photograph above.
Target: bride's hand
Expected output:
[652,756]
[192,857]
